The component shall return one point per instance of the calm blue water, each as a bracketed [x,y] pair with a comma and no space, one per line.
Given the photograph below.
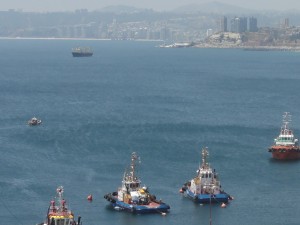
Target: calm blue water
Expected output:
[165,104]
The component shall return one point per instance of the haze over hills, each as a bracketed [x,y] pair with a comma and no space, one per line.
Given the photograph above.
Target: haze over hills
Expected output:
[208,7]
[187,23]
[119,9]
[212,7]
[215,7]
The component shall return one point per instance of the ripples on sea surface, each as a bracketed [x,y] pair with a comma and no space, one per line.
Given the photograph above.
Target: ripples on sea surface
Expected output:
[165,104]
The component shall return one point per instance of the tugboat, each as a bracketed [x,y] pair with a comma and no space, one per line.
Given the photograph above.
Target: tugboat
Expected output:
[205,187]
[58,212]
[82,52]
[285,145]
[134,198]
[34,121]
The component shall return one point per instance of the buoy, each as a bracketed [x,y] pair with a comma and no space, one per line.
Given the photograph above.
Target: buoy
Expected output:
[223,205]
[90,198]
[163,214]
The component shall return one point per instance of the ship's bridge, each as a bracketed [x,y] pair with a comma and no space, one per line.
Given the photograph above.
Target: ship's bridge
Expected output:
[286,140]
[61,219]
[207,175]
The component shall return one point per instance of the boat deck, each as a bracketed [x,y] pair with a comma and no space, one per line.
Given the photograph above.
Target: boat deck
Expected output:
[153,205]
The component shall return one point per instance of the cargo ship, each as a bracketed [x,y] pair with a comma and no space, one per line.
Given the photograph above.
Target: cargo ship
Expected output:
[133,197]
[205,187]
[285,145]
[82,52]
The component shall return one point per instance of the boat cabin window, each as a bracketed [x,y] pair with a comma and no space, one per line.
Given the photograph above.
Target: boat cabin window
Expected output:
[206,175]
[285,139]
[62,222]
[134,185]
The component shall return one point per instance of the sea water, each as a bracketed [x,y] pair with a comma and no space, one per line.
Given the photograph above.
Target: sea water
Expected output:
[166,105]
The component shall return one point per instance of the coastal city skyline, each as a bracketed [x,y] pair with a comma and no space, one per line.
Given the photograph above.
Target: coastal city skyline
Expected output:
[166,5]
[125,23]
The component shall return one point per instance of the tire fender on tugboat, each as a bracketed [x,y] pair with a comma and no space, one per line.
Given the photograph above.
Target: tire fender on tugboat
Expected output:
[133,209]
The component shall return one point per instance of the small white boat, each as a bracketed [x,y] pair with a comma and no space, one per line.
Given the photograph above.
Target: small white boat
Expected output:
[34,121]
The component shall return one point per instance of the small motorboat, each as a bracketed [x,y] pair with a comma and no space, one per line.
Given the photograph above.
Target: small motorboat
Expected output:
[34,121]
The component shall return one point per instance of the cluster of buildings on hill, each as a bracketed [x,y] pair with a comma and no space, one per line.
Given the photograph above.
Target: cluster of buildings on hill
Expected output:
[244,32]
[243,24]
[147,25]
[239,24]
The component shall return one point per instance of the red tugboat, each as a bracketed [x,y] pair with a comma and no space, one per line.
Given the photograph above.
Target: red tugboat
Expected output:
[286,145]
[58,212]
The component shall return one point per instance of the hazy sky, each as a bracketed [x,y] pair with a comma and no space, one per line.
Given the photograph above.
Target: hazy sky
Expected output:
[70,5]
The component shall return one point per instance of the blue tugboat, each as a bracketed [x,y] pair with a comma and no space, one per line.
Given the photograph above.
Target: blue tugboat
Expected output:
[134,198]
[205,187]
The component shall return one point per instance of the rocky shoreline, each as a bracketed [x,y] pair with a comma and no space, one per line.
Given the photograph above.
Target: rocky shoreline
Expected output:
[251,48]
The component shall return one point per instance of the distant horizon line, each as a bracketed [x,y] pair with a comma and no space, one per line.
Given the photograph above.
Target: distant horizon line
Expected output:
[75,39]
[139,8]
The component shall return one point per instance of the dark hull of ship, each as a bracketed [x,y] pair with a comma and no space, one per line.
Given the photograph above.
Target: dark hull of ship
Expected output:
[208,198]
[78,54]
[285,153]
[160,207]
[288,155]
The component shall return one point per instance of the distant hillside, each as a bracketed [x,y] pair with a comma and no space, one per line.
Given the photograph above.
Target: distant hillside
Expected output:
[122,9]
[212,7]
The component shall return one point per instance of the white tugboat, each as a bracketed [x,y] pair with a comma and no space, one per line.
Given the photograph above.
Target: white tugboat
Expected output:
[134,198]
[205,187]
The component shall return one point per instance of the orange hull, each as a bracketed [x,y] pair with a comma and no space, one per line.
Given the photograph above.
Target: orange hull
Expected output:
[285,152]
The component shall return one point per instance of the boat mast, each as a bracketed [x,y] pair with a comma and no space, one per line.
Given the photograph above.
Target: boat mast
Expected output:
[204,157]
[61,201]
[134,158]
[286,119]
